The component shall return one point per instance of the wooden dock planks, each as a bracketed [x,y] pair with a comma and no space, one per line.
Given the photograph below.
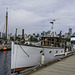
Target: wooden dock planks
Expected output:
[63,67]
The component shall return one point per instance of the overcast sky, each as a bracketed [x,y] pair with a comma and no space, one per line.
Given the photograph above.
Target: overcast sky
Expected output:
[34,16]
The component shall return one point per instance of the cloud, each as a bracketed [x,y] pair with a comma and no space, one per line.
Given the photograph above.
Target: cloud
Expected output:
[20,18]
[35,15]
[24,16]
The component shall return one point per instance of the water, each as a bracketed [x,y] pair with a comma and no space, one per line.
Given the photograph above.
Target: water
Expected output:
[5,62]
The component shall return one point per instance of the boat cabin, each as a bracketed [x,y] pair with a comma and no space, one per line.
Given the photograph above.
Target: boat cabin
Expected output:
[73,40]
[53,42]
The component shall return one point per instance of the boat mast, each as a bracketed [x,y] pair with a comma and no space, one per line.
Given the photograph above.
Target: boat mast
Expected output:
[6,23]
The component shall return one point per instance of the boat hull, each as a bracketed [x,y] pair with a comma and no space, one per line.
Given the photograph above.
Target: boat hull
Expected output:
[29,56]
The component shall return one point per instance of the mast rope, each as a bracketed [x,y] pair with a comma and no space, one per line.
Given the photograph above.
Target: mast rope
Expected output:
[2,23]
[23,50]
[28,55]
[34,61]
[4,28]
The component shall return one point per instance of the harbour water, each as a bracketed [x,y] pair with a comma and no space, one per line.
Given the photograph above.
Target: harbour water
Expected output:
[5,63]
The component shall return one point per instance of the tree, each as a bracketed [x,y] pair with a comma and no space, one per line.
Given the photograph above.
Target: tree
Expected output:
[67,39]
[33,39]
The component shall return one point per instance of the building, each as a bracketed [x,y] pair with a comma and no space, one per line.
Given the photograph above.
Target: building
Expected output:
[9,36]
[20,36]
[26,37]
[60,34]
[73,34]
[66,35]
[70,33]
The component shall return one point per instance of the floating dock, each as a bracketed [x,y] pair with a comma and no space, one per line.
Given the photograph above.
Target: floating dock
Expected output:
[62,67]
[5,47]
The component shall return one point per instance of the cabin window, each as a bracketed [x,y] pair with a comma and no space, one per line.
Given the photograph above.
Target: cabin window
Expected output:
[52,42]
[57,40]
[56,51]
[52,39]
[49,39]
[50,51]
[44,43]
[48,43]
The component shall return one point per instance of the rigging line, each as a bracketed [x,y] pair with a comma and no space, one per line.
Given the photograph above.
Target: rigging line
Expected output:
[2,27]
[2,10]
[5,28]
[2,23]
[1,20]
[23,50]
[2,16]
[8,28]
[28,55]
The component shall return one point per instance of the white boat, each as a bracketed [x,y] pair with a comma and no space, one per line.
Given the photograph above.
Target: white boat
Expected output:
[73,42]
[26,56]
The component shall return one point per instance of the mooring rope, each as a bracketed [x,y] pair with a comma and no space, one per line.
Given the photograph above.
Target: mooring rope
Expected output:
[23,50]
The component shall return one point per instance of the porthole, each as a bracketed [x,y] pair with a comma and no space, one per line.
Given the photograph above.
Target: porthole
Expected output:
[43,54]
[50,51]
[56,51]
[41,51]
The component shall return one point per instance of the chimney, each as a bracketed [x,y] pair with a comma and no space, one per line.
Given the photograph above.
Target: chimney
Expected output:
[16,32]
[22,33]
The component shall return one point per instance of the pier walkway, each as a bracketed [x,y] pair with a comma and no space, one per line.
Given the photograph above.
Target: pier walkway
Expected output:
[63,67]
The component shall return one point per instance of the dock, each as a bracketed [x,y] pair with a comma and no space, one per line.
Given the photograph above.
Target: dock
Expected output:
[5,47]
[65,66]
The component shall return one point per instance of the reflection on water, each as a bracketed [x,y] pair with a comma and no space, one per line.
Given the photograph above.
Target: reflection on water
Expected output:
[5,57]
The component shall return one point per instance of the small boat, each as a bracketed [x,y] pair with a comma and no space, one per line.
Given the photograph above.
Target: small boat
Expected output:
[73,42]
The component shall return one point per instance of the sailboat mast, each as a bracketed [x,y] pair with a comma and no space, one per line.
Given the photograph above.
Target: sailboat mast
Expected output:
[6,23]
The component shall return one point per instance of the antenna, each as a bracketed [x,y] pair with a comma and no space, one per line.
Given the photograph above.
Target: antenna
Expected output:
[7,9]
[52,22]
[52,28]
